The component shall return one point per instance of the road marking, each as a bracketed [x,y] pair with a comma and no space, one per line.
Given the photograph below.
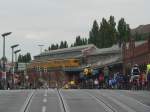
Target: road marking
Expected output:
[45,94]
[44,109]
[44,100]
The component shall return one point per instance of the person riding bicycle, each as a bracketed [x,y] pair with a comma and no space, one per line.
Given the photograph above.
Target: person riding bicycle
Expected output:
[135,73]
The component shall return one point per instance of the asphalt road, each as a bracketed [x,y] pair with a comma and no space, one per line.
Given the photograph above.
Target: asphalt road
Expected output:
[53,100]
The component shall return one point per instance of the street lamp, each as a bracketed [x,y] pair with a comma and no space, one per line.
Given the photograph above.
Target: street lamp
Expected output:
[4,57]
[17,51]
[41,46]
[13,46]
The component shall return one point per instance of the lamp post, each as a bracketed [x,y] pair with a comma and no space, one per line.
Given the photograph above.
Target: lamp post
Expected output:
[41,47]
[4,57]
[13,46]
[17,51]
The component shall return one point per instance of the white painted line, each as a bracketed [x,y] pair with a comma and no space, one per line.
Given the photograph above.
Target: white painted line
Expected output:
[44,100]
[45,94]
[44,109]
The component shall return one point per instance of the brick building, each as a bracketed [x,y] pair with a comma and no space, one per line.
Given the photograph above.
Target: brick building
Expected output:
[136,54]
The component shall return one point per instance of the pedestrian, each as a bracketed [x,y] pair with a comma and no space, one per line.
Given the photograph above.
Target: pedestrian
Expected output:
[96,83]
[106,76]
[101,80]
[142,80]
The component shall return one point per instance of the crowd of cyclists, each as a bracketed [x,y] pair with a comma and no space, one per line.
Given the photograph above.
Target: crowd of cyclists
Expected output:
[137,79]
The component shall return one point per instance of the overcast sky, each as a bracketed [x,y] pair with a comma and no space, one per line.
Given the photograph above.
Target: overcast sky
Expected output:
[36,22]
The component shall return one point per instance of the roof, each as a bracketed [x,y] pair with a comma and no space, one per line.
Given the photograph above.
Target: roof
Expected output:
[77,48]
[113,49]
[111,61]
[77,52]
[137,43]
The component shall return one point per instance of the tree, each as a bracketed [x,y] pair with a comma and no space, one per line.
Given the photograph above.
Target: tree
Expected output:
[94,34]
[20,58]
[79,41]
[63,44]
[112,30]
[49,48]
[84,41]
[24,58]
[53,47]
[104,36]
[28,55]
[123,31]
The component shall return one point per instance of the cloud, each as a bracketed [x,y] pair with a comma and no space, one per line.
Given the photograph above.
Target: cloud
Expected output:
[32,36]
[50,21]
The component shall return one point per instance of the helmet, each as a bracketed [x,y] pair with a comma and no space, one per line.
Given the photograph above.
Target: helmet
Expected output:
[135,65]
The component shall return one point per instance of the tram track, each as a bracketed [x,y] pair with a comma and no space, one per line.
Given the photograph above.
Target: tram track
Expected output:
[107,107]
[27,102]
[63,104]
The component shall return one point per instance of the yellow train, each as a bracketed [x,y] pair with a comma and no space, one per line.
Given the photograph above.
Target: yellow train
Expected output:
[55,63]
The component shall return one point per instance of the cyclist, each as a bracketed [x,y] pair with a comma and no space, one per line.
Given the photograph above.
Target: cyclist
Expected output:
[135,74]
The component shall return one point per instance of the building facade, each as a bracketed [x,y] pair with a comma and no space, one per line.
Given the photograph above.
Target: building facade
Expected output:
[136,54]
[64,65]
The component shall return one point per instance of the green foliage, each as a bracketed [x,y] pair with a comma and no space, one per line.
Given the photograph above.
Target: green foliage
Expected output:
[63,44]
[123,31]
[24,58]
[104,35]
[94,34]
[112,29]
[53,47]
[79,41]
